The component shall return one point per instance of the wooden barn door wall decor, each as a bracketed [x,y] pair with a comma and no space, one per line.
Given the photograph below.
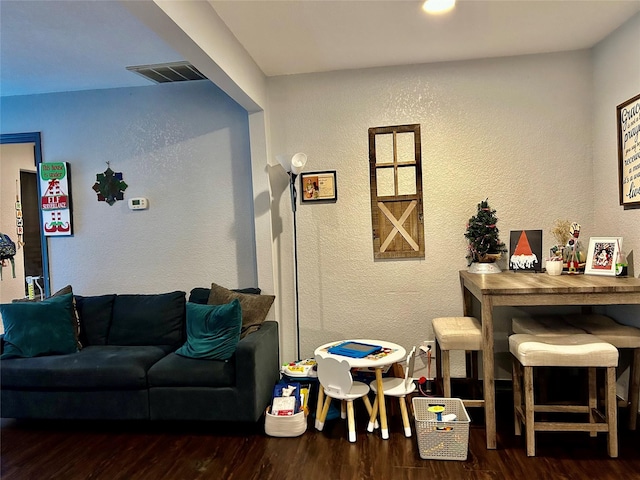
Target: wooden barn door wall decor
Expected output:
[395,173]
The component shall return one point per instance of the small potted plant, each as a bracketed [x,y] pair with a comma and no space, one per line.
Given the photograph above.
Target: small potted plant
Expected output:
[484,244]
[560,232]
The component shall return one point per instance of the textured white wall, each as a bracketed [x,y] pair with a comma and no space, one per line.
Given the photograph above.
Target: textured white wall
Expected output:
[616,73]
[516,130]
[183,146]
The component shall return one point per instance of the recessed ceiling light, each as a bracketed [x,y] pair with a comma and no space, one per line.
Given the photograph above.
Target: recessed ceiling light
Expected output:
[438,6]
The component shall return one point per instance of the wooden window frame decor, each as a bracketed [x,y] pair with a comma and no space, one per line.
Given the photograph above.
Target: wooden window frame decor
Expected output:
[319,187]
[628,124]
[598,265]
[397,219]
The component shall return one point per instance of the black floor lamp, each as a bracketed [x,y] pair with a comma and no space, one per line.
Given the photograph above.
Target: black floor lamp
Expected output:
[294,167]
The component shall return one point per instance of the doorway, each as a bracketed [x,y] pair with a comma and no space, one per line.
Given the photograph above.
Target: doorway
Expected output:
[21,155]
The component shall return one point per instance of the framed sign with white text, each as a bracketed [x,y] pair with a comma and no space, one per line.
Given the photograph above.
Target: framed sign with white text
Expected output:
[628,114]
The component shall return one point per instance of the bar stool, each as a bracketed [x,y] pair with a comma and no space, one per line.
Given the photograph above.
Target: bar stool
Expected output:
[456,333]
[548,325]
[579,350]
[544,326]
[620,336]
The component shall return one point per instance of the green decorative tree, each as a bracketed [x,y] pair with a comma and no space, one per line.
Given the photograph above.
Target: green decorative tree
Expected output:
[483,235]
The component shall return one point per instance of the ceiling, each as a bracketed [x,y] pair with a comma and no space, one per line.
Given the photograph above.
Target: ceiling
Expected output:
[50,46]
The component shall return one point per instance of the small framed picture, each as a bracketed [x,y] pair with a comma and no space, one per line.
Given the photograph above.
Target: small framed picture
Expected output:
[602,254]
[319,187]
[526,250]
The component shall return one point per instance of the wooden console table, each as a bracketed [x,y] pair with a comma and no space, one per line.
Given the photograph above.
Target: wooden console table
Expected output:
[533,289]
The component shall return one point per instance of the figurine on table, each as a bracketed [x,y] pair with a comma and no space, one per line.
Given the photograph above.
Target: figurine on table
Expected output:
[573,262]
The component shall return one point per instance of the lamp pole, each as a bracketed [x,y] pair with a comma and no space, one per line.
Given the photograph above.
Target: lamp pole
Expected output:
[293,167]
[292,188]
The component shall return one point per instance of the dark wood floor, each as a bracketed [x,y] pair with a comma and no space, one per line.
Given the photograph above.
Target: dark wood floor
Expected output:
[153,451]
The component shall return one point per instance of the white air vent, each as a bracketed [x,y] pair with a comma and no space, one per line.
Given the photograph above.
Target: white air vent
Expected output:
[168,72]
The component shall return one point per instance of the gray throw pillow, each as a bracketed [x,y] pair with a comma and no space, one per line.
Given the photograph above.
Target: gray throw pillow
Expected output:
[254,307]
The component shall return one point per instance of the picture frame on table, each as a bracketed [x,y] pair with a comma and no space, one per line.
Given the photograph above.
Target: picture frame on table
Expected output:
[602,254]
[628,125]
[319,187]
[525,247]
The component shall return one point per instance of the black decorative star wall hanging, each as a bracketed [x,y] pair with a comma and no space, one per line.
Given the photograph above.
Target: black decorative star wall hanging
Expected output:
[109,186]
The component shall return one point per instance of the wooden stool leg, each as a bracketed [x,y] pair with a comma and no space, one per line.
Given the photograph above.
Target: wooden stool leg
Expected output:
[367,404]
[446,374]
[405,416]
[593,398]
[343,409]
[475,386]
[612,409]
[529,421]
[634,387]
[439,385]
[351,421]
[517,394]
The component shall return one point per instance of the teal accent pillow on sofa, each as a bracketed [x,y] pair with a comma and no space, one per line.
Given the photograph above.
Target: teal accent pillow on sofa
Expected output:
[213,331]
[40,328]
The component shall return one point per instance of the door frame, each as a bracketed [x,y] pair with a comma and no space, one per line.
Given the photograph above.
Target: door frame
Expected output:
[35,138]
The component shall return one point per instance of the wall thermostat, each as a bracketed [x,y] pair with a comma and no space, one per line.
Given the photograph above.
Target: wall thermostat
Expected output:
[138,203]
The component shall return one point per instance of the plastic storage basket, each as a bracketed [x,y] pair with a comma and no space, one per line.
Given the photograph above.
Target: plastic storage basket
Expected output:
[441,440]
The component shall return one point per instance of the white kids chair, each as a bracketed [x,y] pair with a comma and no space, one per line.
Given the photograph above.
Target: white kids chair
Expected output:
[336,380]
[399,388]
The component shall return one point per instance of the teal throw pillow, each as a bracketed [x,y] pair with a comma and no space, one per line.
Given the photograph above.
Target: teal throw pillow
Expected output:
[213,331]
[40,328]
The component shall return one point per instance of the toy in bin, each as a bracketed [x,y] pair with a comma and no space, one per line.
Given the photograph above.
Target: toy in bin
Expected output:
[286,399]
[438,409]
[306,368]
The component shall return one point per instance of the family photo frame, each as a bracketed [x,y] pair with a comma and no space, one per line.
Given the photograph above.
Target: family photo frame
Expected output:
[319,187]
[602,254]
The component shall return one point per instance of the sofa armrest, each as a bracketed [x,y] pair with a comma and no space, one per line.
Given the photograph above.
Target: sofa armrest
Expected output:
[258,367]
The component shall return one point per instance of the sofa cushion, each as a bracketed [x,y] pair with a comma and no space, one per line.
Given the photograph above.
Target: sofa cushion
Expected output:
[39,328]
[93,367]
[178,371]
[213,331]
[148,319]
[95,318]
[254,307]
[201,295]
[75,320]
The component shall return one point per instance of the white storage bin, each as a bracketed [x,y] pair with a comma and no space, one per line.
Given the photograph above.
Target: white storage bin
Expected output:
[285,425]
[441,440]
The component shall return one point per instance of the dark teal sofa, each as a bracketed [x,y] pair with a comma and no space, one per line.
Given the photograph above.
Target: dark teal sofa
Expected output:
[127,368]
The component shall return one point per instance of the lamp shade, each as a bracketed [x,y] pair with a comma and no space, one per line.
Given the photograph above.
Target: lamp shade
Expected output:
[298,161]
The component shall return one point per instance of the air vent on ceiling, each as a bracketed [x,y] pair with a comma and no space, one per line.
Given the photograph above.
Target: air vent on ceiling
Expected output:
[168,72]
